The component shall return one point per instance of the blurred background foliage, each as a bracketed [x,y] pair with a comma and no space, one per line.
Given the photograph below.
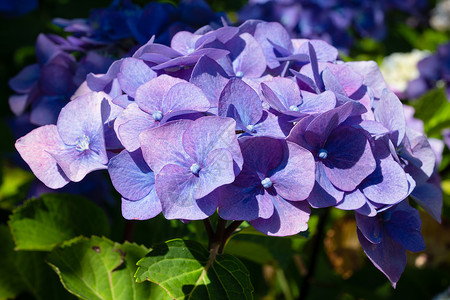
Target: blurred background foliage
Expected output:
[278,266]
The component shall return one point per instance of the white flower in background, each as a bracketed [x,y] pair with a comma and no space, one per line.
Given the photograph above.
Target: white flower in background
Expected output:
[400,68]
[440,19]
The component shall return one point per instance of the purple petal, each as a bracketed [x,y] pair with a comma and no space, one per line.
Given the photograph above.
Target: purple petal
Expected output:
[295,180]
[314,104]
[352,201]
[163,145]
[217,171]
[429,197]
[268,34]
[371,228]
[350,159]
[18,103]
[389,112]
[98,82]
[320,128]
[142,209]
[404,228]
[282,94]
[324,194]
[387,185]
[209,133]
[176,186]
[210,77]
[133,73]
[324,51]
[249,61]
[28,76]
[184,42]
[388,256]
[130,175]
[150,95]
[86,110]
[289,218]
[373,78]
[34,149]
[238,203]
[183,97]
[237,95]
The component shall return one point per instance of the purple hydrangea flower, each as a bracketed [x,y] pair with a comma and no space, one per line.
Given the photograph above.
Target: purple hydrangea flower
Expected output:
[386,237]
[191,159]
[135,181]
[275,177]
[70,149]
[343,154]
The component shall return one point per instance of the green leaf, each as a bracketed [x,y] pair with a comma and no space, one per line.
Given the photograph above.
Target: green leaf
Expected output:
[98,268]
[434,109]
[41,224]
[12,189]
[186,271]
[25,271]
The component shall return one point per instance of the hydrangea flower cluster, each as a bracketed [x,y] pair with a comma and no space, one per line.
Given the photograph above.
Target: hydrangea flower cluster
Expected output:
[332,21]
[253,124]
[433,70]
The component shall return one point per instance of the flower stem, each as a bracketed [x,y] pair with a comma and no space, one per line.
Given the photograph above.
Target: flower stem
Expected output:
[128,231]
[306,284]
[228,232]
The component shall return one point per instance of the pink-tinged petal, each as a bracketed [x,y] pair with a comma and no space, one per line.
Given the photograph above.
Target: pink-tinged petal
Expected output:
[133,73]
[184,97]
[130,124]
[150,95]
[389,112]
[288,218]
[352,201]
[34,149]
[130,175]
[77,164]
[239,97]
[350,159]
[321,127]
[82,116]
[387,185]
[143,209]
[210,77]
[295,180]
[218,171]
[282,94]
[249,61]
[209,133]
[388,256]
[176,186]
[163,145]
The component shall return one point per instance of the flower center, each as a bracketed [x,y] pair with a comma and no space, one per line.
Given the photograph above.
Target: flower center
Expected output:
[157,115]
[82,143]
[251,128]
[266,183]
[239,74]
[323,153]
[195,168]
[294,108]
